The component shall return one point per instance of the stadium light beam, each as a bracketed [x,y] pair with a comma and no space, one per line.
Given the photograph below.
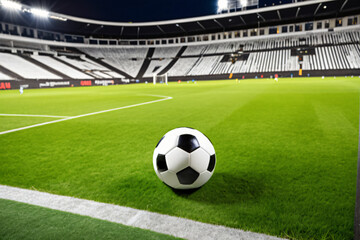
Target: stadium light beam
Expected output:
[222,5]
[40,12]
[58,18]
[11,5]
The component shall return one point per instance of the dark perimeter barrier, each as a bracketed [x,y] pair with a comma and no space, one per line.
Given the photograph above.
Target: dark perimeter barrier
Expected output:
[14,84]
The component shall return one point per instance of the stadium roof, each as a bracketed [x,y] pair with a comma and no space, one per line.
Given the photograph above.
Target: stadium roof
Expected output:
[267,16]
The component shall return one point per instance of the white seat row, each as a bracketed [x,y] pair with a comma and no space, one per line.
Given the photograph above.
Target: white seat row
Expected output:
[182,66]
[128,60]
[24,68]
[91,67]
[168,52]
[3,76]
[59,66]
[333,58]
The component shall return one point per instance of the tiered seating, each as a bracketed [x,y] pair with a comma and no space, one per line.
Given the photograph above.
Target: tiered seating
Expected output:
[326,51]
[5,77]
[211,49]
[333,58]
[263,58]
[128,60]
[53,63]
[221,48]
[265,61]
[224,68]
[166,52]
[156,66]
[310,40]
[24,68]
[271,44]
[194,50]
[92,68]
[205,66]
[182,66]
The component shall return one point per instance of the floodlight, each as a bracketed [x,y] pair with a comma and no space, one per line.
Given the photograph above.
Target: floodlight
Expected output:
[11,5]
[40,12]
[222,5]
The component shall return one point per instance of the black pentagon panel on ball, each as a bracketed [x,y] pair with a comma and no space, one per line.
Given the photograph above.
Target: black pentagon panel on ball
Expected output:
[211,163]
[187,176]
[188,143]
[161,163]
[159,142]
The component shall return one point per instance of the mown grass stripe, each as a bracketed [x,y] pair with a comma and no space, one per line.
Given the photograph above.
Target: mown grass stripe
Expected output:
[30,115]
[174,226]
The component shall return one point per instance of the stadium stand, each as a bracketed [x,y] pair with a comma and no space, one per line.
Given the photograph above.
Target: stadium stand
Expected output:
[128,60]
[156,66]
[166,52]
[24,68]
[194,50]
[5,77]
[65,69]
[322,51]
[274,55]
[173,61]
[204,66]
[89,67]
[182,67]
[146,63]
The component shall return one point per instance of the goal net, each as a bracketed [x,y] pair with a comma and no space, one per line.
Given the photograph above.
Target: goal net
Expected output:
[163,79]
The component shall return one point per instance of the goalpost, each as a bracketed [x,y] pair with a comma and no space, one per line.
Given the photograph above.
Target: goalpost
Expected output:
[160,78]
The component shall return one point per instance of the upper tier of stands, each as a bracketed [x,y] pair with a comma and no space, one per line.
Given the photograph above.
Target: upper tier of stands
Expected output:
[169,52]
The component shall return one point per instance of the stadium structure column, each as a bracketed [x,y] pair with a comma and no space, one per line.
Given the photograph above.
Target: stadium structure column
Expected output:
[357,203]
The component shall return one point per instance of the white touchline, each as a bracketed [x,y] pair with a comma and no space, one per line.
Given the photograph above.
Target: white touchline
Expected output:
[175,226]
[85,115]
[31,115]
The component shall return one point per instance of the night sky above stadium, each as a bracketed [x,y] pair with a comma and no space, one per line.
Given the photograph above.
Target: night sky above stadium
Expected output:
[130,10]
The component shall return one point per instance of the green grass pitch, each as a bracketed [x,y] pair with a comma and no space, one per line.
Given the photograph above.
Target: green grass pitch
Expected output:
[286,151]
[22,221]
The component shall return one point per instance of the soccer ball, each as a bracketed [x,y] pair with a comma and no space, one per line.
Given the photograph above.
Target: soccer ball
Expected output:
[184,159]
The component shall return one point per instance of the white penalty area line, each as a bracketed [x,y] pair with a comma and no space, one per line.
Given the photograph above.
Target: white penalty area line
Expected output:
[175,226]
[86,115]
[31,115]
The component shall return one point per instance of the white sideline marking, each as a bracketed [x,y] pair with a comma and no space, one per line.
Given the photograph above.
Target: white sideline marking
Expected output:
[30,115]
[86,115]
[175,226]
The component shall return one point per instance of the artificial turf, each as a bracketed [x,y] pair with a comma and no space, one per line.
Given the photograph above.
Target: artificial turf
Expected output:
[22,221]
[286,152]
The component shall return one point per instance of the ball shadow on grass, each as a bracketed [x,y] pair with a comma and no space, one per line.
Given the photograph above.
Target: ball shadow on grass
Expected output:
[226,188]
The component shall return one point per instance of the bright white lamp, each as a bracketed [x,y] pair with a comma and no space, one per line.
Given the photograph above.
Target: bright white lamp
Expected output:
[222,5]
[10,5]
[39,12]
